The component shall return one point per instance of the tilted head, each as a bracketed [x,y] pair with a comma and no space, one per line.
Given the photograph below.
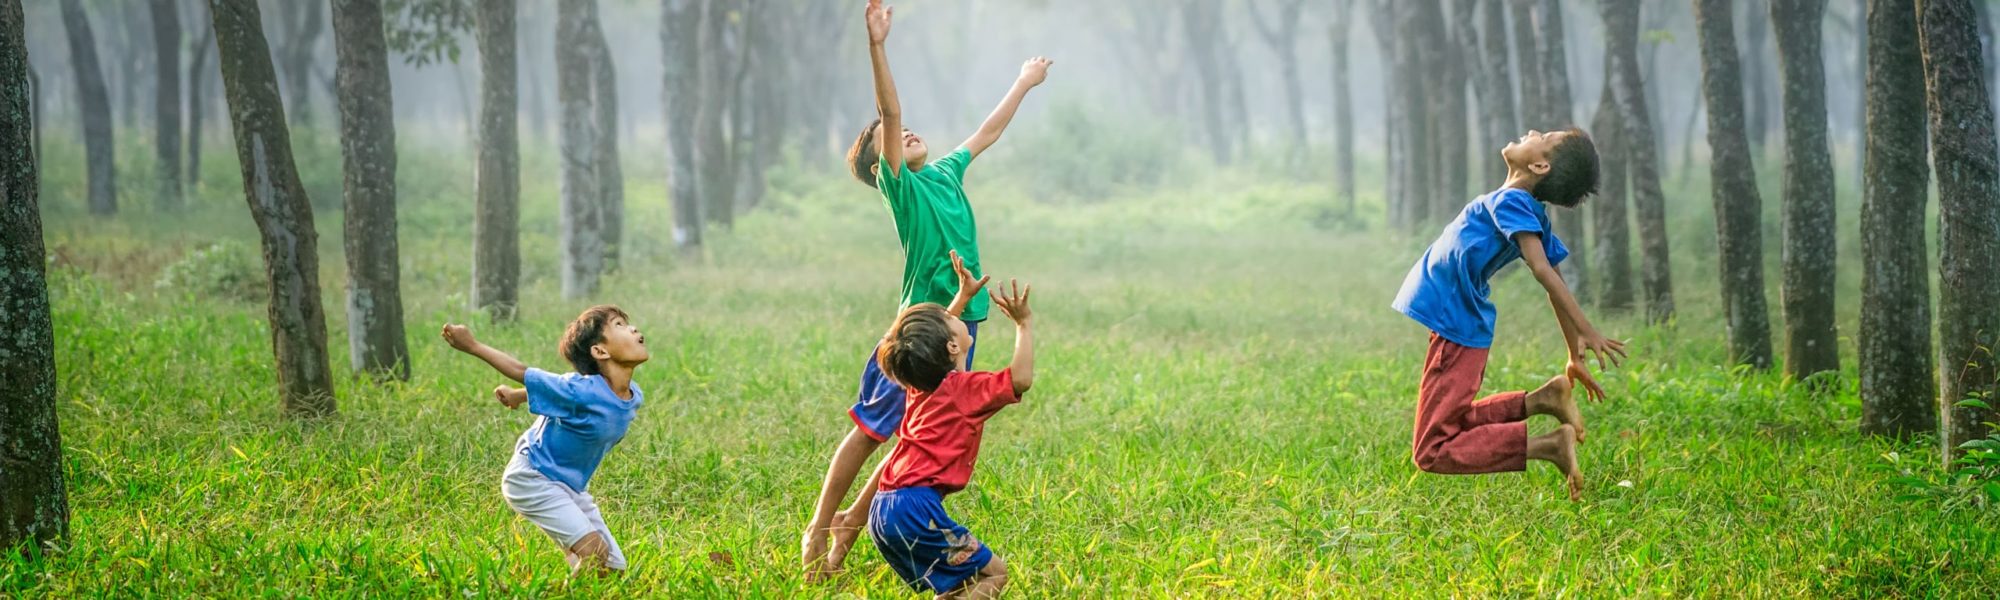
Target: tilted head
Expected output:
[924,346]
[864,155]
[1562,164]
[602,335]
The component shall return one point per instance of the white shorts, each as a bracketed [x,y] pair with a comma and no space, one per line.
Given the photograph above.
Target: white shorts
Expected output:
[565,514]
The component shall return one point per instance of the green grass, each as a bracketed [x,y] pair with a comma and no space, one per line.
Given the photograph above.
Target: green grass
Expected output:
[1224,409]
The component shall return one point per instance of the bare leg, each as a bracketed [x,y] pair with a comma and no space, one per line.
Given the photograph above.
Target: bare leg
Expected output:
[1554,399]
[984,586]
[848,524]
[847,462]
[1559,448]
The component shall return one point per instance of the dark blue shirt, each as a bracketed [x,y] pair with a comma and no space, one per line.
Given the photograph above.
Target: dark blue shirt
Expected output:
[1446,290]
[581,419]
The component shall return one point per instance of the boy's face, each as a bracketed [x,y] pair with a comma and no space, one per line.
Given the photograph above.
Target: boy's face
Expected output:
[914,150]
[1530,153]
[961,340]
[622,344]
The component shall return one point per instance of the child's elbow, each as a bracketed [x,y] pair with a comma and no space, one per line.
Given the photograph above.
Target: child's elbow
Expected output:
[1021,385]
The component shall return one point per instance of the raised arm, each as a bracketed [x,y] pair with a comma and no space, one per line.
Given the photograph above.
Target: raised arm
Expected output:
[1033,73]
[1578,334]
[889,136]
[968,288]
[1015,304]
[461,338]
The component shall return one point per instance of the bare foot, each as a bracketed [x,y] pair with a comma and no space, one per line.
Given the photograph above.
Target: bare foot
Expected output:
[1559,448]
[1554,399]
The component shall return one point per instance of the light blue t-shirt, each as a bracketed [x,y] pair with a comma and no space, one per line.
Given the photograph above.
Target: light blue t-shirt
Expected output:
[580,420]
[1446,290]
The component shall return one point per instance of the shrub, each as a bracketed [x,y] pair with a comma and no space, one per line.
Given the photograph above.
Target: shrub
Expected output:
[228,269]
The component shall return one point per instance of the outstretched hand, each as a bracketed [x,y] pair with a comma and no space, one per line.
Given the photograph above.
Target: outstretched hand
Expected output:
[1579,377]
[1603,348]
[878,17]
[967,286]
[459,336]
[510,397]
[1014,303]
[1036,70]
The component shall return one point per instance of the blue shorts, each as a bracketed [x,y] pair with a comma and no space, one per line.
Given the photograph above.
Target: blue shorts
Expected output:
[878,410]
[924,546]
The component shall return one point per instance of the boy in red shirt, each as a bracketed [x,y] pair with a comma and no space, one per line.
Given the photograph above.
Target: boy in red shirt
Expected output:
[942,424]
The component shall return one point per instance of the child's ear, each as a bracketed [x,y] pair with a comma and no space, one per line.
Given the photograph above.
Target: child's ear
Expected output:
[952,347]
[598,352]
[1540,167]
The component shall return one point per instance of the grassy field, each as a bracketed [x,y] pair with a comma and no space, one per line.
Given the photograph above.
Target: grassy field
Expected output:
[1224,409]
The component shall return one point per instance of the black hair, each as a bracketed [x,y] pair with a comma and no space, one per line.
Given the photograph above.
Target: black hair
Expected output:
[917,351]
[586,331]
[863,156]
[1572,171]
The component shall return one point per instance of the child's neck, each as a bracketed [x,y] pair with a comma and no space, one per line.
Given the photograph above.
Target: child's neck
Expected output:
[1521,180]
[618,376]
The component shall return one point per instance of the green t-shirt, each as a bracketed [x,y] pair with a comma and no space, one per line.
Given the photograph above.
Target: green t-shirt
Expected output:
[933,218]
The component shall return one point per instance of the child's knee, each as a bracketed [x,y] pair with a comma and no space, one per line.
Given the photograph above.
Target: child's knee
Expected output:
[1426,461]
[995,571]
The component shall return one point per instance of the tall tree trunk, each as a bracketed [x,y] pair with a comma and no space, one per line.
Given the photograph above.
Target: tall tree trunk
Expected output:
[1639,146]
[610,174]
[305,20]
[1614,238]
[1897,383]
[765,81]
[680,99]
[1201,20]
[96,104]
[1281,32]
[1420,25]
[197,102]
[1733,183]
[1444,92]
[1968,182]
[1497,99]
[35,106]
[720,51]
[496,225]
[1343,108]
[33,504]
[581,236]
[1811,345]
[1527,61]
[1554,72]
[1383,16]
[1757,71]
[167,105]
[278,203]
[368,155]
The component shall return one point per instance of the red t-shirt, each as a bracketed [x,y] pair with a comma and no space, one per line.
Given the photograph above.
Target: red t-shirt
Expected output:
[941,430]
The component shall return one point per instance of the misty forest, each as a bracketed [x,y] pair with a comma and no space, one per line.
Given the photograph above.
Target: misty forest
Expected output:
[245,247]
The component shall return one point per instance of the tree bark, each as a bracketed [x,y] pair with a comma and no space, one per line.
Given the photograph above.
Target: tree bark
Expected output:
[1282,35]
[1534,101]
[582,199]
[1897,383]
[1757,71]
[680,41]
[1444,93]
[305,21]
[1968,183]
[1608,210]
[1811,344]
[197,102]
[278,203]
[1343,108]
[610,173]
[496,224]
[1419,23]
[34,507]
[720,51]
[1396,156]
[1497,98]
[167,105]
[95,102]
[1733,183]
[368,155]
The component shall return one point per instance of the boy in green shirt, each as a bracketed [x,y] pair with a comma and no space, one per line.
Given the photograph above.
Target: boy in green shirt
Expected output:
[935,226]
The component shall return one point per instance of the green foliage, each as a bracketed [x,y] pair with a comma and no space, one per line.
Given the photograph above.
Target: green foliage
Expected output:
[426,31]
[1074,153]
[1971,481]
[226,270]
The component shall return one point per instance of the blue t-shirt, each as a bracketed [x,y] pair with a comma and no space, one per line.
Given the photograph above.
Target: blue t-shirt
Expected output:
[1446,290]
[580,420]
